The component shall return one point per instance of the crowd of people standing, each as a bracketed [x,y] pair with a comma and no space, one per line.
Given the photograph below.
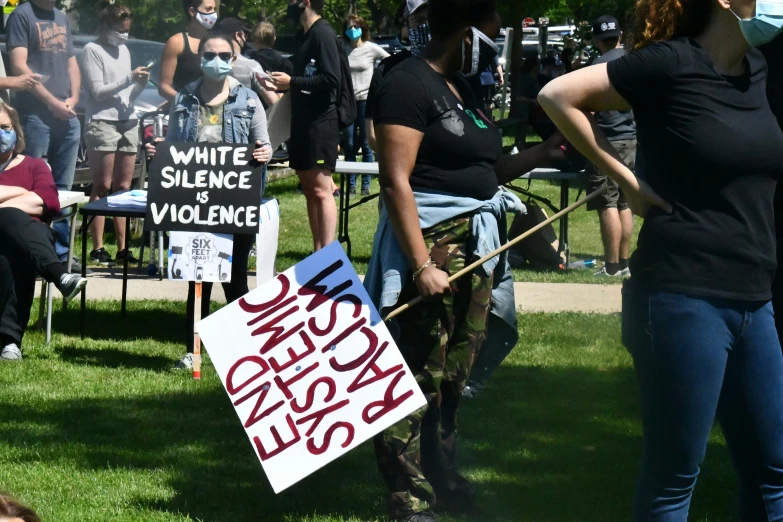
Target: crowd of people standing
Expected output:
[697,312]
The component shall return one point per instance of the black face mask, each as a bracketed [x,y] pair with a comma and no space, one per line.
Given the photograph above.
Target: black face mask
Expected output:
[294,12]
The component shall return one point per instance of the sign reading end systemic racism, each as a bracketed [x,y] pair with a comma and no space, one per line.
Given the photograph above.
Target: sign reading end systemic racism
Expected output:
[203,187]
[309,366]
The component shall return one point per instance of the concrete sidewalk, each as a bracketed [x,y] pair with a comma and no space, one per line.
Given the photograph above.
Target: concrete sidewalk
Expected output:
[106,284]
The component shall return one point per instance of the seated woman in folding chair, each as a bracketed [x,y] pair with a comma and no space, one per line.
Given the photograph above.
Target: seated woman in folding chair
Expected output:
[28,201]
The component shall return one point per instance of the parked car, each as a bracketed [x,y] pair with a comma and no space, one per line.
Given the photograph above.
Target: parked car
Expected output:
[389,43]
[143,52]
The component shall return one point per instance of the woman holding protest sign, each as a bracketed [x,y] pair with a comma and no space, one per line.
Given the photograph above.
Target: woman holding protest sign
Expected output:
[218,109]
[440,166]
[697,316]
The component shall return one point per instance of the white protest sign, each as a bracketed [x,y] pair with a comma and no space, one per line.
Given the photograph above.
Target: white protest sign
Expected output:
[200,257]
[266,241]
[309,366]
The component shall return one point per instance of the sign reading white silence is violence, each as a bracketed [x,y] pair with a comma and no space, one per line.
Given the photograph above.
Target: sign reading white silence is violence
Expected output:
[309,366]
[202,187]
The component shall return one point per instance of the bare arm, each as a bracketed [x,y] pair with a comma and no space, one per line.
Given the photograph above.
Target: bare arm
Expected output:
[508,167]
[568,100]
[168,65]
[19,67]
[397,151]
[76,81]
[9,192]
[30,203]
[370,133]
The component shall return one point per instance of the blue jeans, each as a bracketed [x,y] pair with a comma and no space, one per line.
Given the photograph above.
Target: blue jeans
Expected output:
[697,359]
[352,142]
[58,141]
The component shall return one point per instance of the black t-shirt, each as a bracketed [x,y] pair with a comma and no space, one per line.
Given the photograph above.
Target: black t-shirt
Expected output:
[713,149]
[380,72]
[460,145]
[314,89]
[273,61]
[617,125]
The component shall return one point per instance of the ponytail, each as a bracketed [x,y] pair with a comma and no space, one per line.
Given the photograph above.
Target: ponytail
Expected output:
[661,20]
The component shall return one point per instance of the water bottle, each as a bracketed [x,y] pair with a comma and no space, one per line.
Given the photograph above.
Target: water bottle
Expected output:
[584,263]
[157,128]
[310,68]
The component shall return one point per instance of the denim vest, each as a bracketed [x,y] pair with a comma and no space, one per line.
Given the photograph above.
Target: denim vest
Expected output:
[238,114]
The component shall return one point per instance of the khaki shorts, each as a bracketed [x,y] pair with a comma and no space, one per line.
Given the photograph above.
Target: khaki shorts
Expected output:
[596,179]
[112,136]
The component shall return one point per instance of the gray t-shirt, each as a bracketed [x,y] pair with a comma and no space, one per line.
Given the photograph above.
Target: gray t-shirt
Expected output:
[47,37]
[110,87]
[617,125]
[362,61]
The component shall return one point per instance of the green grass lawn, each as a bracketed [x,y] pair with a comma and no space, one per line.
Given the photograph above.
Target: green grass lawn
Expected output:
[102,430]
[296,243]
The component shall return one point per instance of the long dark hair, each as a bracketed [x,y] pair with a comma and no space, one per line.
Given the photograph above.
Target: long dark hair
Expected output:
[10,508]
[661,20]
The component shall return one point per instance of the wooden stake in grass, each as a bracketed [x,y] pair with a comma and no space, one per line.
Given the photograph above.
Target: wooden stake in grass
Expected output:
[196,338]
[470,268]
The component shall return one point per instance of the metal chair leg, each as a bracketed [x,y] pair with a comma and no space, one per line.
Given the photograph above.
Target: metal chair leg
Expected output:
[49,314]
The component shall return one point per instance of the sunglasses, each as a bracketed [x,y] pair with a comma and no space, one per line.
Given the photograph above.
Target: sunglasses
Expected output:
[210,55]
[126,16]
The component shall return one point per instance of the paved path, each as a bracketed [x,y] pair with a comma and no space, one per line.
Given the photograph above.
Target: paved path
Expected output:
[530,297]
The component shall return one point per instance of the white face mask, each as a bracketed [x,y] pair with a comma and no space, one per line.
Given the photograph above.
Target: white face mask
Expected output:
[117,39]
[207,20]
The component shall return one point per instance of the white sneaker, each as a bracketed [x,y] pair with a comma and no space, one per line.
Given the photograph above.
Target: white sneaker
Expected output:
[186,363]
[625,272]
[11,353]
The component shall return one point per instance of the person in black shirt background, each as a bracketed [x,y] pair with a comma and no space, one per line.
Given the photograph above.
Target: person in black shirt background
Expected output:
[264,37]
[315,131]
[435,143]
[697,316]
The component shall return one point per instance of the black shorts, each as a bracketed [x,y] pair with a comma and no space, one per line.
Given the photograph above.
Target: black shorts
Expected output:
[314,147]
[596,179]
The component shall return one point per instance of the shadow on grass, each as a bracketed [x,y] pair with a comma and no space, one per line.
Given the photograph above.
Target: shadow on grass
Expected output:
[114,358]
[542,444]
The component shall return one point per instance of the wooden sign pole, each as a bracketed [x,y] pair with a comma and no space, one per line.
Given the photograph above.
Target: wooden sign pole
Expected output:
[196,337]
[470,268]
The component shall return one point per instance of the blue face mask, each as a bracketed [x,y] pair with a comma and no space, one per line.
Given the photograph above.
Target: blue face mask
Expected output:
[216,68]
[419,37]
[354,33]
[765,26]
[7,140]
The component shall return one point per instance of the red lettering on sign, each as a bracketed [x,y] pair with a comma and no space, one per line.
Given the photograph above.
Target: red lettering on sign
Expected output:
[359,360]
[279,333]
[389,403]
[318,291]
[231,387]
[347,298]
[294,357]
[330,393]
[345,333]
[379,374]
[256,308]
[281,446]
[285,386]
[262,392]
[347,426]
[319,415]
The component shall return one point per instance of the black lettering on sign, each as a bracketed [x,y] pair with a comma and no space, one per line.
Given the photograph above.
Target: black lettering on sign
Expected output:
[204,187]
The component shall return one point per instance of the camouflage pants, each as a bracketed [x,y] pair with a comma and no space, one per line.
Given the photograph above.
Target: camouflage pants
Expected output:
[440,341]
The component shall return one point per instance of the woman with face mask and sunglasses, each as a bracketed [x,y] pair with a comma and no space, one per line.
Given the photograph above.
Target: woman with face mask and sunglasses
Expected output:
[207,111]
[697,317]
[179,64]
[111,133]
[441,164]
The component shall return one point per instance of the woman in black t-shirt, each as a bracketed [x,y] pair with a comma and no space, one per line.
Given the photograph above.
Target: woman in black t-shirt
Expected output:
[697,317]
[440,164]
